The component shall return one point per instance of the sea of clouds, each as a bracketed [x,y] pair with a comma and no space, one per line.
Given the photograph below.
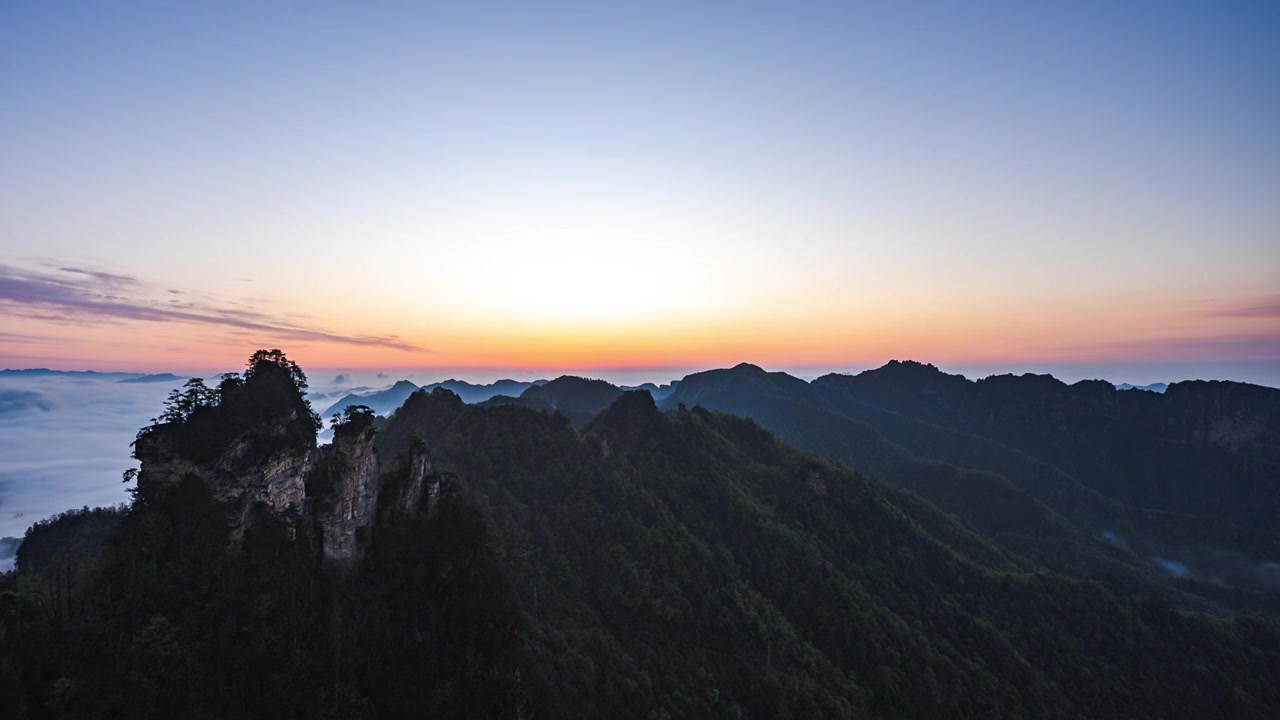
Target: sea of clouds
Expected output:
[64,443]
[65,439]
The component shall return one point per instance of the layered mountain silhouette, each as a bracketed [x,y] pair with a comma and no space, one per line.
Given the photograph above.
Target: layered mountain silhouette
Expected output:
[576,398]
[923,430]
[123,377]
[1153,387]
[384,402]
[1206,448]
[1011,456]
[658,392]
[895,545]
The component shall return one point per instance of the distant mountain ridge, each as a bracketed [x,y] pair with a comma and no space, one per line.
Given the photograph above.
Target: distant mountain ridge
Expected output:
[659,392]
[1219,440]
[971,448]
[1153,387]
[382,402]
[899,423]
[385,402]
[38,372]
[124,377]
[576,398]
[158,377]
[474,393]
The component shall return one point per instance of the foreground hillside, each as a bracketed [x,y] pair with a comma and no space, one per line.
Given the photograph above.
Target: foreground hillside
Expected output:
[503,563]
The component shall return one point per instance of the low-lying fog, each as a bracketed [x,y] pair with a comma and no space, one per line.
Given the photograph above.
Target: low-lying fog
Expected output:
[65,438]
[64,442]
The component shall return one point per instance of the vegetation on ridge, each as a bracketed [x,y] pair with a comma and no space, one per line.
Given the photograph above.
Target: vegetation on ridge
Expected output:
[645,565]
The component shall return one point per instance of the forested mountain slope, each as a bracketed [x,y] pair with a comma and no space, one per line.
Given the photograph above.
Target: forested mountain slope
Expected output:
[1202,448]
[705,554]
[1030,506]
[506,563]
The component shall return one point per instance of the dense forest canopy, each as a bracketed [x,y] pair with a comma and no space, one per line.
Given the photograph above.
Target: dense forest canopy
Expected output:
[634,564]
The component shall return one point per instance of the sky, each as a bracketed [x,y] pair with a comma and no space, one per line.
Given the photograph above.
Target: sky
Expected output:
[516,187]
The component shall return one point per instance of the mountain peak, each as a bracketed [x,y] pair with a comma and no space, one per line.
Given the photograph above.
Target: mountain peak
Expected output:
[577,398]
[913,367]
[633,411]
[641,400]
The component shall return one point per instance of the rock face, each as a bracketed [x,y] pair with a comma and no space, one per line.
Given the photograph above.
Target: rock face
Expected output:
[234,479]
[416,472]
[354,483]
[337,487]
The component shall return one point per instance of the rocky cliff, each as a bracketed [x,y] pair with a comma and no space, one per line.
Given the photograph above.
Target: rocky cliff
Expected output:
[347,498]
[335,489]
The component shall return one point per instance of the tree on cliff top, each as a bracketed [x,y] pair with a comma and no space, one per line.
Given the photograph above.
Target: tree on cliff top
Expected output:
[353,420]
[183,403]
[273,390]
[271,360]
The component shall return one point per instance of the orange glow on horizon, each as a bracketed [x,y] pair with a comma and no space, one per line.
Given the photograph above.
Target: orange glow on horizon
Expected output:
[803,343]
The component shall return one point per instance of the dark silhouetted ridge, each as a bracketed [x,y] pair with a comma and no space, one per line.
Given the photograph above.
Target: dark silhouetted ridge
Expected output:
[576,398]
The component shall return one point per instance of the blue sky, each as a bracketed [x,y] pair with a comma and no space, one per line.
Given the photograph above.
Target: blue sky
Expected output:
[577,185]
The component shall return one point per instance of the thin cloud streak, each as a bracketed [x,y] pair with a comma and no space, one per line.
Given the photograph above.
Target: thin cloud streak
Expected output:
[82,296]
[1266,306]
[106,278]
[9,337]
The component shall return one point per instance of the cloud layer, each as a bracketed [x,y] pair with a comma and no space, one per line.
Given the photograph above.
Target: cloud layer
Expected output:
[72,295]
[64,442]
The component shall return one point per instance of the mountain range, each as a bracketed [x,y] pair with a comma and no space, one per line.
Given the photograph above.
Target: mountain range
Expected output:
[1153,387]
[384,402]
[528,393]
[899,543]
[124,377]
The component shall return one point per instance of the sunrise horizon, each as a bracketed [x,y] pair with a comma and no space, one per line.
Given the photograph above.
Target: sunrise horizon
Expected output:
[173,330]
[694,187]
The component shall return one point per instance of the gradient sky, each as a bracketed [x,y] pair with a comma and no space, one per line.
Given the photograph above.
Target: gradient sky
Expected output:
[683,185]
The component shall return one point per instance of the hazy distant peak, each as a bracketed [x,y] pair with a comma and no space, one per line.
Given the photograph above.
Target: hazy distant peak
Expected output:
[910,364]
[574,381]
[1153,387]
[475,393]
[157,377]
[46,372]
[1043,381]
[659,392]
[1094,386]
[383,402]
[908,370]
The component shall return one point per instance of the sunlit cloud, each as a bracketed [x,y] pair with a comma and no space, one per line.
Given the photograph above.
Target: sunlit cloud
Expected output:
[72,295]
